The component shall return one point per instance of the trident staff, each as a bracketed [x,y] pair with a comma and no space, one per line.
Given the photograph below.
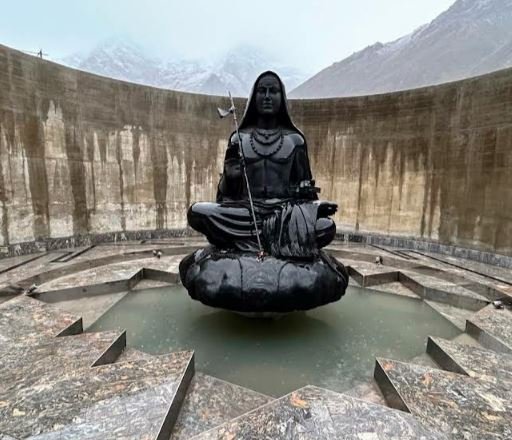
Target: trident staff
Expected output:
[232,111]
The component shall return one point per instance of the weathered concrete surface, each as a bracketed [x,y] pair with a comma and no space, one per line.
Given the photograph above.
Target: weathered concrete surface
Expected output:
[84,154]
[433,163]
[80,153]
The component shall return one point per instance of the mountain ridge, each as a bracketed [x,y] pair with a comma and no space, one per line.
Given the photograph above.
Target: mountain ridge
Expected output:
[470,38]
[235,70]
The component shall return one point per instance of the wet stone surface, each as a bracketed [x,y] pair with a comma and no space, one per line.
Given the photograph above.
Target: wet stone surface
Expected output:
[493,329]
[131,393]
[314,413]
[462,407]
[24,320]
[473,361]
[22,365]
[92,404]
[210,402]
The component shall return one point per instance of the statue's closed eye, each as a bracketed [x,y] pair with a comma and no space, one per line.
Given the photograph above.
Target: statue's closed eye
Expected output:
[272,90]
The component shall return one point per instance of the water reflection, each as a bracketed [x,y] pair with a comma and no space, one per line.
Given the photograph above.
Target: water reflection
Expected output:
[333,346]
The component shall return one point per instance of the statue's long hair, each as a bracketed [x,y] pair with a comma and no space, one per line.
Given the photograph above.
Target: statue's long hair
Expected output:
[250,117]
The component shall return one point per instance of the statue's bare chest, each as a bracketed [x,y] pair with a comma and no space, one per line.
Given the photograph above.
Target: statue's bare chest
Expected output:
[269,166]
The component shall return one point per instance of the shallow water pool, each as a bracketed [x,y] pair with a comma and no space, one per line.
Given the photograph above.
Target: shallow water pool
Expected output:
[333,346]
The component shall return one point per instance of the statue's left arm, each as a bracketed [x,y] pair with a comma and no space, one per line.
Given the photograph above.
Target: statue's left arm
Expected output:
[303,179]
[301,176]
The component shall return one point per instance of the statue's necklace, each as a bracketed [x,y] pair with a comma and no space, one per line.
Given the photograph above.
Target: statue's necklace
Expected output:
[267,137]
[270,151]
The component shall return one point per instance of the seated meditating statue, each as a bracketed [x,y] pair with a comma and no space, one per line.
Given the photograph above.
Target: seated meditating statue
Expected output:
[277,264]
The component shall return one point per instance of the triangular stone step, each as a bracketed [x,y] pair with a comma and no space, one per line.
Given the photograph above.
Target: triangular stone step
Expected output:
[396,288]
[132,354]
[210,402]
[149,284]
[459,406]
[456,315]
[313,413]
[26,320]
[424,360]
[492,328]
[90,308]
[367,391]
[466,339]
[139,399]
[23,365]
[370,391]
[442,291]
[469,360]
[371,274]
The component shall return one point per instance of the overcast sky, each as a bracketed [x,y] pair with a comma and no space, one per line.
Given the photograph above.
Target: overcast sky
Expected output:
[305,33]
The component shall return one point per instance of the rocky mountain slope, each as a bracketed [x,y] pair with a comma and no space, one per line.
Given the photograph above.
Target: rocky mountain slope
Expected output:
[234,71]
[470,38]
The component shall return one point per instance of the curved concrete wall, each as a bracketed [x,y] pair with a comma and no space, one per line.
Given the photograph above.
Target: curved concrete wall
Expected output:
[81,154]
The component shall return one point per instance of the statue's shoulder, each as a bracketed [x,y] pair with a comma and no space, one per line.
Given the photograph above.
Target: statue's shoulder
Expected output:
[233,139]
[245,135]
[294,138]
[292,142]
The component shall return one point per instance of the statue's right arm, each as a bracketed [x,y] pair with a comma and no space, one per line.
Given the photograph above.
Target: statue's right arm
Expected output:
[232,165]
[230,181]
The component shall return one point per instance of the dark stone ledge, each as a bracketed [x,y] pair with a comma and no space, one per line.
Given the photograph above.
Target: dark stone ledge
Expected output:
[426,246]
[52,244]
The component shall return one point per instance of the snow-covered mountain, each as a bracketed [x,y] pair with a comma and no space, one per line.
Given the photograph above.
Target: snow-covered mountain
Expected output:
[118,59]
[470,38]
[234,71]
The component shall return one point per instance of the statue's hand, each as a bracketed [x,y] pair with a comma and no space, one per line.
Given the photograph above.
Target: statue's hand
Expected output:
[326,209]
[233,168]
[305,189]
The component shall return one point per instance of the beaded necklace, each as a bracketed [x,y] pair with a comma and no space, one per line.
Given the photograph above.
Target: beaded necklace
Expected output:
[270,152]
[267,137]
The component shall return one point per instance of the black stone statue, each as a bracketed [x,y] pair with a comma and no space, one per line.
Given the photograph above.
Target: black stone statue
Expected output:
[292,224]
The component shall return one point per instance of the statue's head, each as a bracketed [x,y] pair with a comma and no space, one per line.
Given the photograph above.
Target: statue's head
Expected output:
[268,95]
[268,99]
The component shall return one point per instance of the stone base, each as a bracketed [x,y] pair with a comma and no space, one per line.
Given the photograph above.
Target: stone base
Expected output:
[241,283]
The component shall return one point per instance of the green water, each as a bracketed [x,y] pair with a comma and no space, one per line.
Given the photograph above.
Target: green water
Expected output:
[333,346]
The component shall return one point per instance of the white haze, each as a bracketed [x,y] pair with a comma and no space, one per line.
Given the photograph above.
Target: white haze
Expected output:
[309,35]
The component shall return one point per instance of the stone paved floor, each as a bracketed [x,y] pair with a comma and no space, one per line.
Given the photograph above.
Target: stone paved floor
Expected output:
[460,390]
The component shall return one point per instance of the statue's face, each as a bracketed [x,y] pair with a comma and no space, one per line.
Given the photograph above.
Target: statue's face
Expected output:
[268,96]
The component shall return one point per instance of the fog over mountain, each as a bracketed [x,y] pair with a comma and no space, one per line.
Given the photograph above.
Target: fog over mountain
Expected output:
[472,37]
[236,70]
